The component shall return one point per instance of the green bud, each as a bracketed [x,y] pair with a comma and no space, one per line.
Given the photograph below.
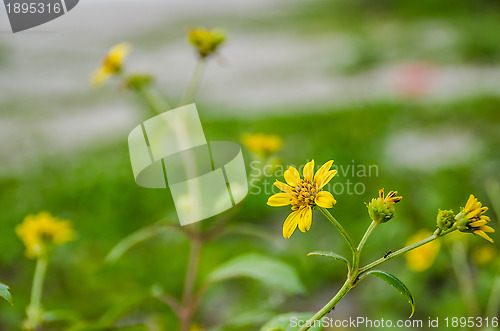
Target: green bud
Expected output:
[381,211]
[138,82]
[445,219]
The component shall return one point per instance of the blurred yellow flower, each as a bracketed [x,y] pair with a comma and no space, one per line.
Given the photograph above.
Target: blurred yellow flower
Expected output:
[206,41]
[262,144]
[112,63]
[484,254]
[471,219]
[423,257]
[382,208]
[38,232]
[303,195]
[195,327]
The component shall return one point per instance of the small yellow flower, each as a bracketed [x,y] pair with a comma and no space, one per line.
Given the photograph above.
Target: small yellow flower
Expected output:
[422,258]
[206,41]
[38,232]
[112,63]
[471,219]
[262,144]
[382,208]
[303,195]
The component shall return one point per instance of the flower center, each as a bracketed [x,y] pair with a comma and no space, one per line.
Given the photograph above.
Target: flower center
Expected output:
[304,194]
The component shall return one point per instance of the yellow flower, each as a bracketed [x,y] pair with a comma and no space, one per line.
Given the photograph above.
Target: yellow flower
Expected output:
[471,219]
[421,258]
[38,232]
[382,208]
[262,144]
[484,254]
[303,195]
[206,41]
[112,63]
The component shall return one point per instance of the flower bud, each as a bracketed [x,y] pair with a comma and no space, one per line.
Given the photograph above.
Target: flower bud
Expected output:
[382,209]
[445,219]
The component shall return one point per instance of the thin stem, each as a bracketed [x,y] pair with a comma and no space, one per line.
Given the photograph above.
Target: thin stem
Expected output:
[188,300]
[403,250]
[366,235]
[357,256]
[339,227]
[155,101]
[397,253]
[194,83]
[329,306]
[34,310]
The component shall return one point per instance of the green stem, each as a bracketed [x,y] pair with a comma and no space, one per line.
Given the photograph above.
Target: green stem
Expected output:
[339,227]
[404,250]
[358,274]
[194,83]
[188,300]
[329,306]
[156,102]
[357,256]
[34,310]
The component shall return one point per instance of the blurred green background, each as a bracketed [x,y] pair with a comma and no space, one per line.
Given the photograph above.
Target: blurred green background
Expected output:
[411,87]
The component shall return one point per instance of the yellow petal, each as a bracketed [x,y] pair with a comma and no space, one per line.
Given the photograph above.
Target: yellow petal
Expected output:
[477,223]
[290,224]
[283,187]
[120,51]
[279,200]
[308,171]
[322,170]
[486,228]
[381,193]
[483,235]
[325,199]
[100,77]
[327,178]
[305,219]
[470,203]
[292,176]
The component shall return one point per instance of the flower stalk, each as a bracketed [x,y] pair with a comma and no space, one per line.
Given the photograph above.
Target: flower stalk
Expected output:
[34,311]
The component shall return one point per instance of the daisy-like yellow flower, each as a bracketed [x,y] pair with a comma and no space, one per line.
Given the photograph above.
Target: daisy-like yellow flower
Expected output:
[422,258]
[40,231]
[112,64]
[382,208]
[303,194]
[472,219]
[262,144]
[206,41]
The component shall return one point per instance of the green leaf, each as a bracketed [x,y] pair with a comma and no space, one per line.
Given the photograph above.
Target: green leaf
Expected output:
[5,293]
[332,255]
[289,322]
[269,271]
[396,283]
